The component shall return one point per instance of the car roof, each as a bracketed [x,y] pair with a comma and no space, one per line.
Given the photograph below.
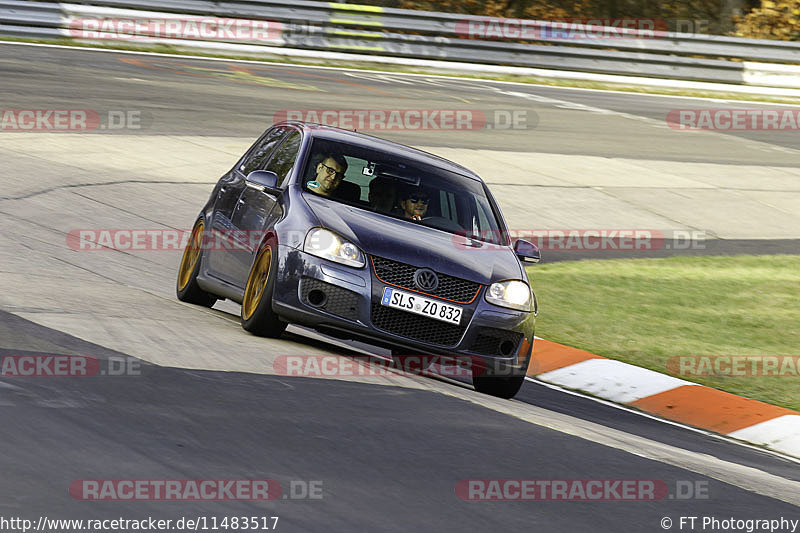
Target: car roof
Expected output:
[322,131]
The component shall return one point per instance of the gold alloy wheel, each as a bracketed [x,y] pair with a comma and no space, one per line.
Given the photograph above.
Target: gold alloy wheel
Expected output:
[190,255]
[257,282]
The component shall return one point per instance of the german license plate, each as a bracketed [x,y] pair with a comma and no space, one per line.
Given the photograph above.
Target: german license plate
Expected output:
[420,305]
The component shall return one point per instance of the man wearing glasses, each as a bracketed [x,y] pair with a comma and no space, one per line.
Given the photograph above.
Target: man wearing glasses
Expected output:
[414,203]
[330,171]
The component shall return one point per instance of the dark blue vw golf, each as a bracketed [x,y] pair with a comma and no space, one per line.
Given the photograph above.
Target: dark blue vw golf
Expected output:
[366,239]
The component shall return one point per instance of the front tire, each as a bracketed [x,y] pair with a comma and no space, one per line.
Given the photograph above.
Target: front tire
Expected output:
[505,387]
[186,287]
[257,315]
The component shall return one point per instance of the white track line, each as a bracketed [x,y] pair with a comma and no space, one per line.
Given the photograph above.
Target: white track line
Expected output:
[386,73]
[663,420]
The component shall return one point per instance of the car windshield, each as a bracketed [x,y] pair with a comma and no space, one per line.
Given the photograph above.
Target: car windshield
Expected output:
[396,187]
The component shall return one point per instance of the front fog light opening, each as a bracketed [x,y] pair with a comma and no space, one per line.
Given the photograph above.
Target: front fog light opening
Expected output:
[507,348]
[317,297]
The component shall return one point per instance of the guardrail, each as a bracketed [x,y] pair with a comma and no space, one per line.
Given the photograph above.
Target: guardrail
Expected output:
[313,25]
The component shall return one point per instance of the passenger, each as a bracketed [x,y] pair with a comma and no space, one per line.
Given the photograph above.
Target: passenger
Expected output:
[382,194]
[414,203]
[330,172]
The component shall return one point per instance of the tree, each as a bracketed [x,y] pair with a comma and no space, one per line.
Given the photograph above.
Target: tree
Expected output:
[773,20]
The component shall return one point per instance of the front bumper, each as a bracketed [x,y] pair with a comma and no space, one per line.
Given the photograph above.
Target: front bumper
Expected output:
[350,308]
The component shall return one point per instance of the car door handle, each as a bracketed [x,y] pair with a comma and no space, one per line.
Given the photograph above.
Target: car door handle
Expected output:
[241,201]
[222,189]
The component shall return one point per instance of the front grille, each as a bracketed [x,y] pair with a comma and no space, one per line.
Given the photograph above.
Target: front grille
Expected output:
[489,340]
[416,327]
[402,275]
[339,301]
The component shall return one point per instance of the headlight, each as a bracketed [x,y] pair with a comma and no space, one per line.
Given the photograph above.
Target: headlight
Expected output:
[328,245]
[512,294]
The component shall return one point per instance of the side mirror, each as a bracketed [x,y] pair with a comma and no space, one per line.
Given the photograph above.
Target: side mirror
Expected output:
[264,178]
[527,251]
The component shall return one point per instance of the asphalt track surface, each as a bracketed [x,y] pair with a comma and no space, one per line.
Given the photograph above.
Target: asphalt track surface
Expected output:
[184,97]
[389,459]
[388,455]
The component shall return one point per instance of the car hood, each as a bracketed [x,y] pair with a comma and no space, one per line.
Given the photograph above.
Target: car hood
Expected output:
[417,245]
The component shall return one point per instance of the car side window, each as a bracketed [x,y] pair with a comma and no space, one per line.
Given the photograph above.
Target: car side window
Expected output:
[259,155]
[285,157]
[483,219]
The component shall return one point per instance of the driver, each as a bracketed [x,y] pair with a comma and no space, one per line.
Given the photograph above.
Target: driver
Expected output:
[330,171]
[414,203]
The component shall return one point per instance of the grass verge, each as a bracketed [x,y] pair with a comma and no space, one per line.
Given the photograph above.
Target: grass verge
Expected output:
[367,65]
[644,311]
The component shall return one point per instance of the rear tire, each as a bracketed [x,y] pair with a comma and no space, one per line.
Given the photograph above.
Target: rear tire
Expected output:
[186,287]
[257,315]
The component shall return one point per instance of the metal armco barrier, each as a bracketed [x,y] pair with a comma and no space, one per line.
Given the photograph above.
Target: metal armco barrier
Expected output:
[313,25]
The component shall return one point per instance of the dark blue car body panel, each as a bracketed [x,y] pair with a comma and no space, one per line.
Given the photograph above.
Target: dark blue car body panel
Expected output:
[236,212]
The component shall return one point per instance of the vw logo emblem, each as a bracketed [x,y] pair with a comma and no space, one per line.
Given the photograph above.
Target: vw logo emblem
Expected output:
[426,279]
